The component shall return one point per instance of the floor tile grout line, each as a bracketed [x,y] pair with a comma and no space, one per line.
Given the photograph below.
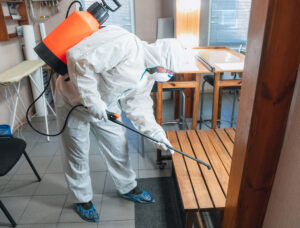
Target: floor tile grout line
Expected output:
[3,197]
[25,208]
[50,163]
[42,177]
[101,203]
[66,198]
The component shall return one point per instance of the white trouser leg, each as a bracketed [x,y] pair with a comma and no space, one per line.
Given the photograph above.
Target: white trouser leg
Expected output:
[113,143]
[76,144]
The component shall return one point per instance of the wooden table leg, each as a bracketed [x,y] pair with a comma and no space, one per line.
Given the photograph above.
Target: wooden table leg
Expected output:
[159,103]
[199,220]
[220,107]
[154,98]
[215,101]
[196,101]
[189,219]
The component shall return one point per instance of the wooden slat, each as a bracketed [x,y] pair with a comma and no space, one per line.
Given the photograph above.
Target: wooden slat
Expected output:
[216,162]
[231,133]
[185,187]
[12,35]
[172,85]
[225,140]
[11,18]
[200,189]
[210,178]
[220,149]
[227,83]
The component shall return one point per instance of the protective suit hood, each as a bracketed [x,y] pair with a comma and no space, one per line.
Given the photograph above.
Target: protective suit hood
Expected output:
[168,53]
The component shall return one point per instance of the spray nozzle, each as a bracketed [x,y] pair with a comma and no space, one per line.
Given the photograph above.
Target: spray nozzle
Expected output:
[100,10]
[117,3]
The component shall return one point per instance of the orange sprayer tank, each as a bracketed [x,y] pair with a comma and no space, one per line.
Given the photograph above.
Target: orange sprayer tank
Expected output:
[73,29]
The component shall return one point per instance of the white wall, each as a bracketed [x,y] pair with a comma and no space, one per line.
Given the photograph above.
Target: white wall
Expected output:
[10,55]
[146,16]
[284,205]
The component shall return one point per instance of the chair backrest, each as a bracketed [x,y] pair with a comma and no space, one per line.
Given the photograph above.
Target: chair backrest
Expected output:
[242,49]
[11,150]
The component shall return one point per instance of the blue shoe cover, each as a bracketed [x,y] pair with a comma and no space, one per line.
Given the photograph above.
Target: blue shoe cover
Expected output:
[144,197]
[90,215]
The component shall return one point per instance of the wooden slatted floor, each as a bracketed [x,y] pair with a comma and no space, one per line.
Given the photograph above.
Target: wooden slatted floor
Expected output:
[200,188]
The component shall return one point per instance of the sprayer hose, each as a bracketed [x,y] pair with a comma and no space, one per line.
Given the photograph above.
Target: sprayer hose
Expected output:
[29,107]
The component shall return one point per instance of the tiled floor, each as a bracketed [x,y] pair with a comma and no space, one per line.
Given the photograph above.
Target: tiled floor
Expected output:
[47,204]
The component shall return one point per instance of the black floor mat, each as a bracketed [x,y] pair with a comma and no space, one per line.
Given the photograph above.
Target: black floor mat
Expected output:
[166,212]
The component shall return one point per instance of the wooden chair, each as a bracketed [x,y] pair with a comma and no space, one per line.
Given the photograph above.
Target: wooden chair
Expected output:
[182,98]
[181,122]
[176,85]
[210,80]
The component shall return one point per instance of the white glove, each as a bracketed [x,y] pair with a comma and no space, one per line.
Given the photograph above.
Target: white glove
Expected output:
[99,111]
[163,141]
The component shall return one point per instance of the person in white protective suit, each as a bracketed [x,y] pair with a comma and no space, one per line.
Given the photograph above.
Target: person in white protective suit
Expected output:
[111,70]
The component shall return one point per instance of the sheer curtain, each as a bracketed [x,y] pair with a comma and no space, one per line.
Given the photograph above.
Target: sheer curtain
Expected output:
[229,21]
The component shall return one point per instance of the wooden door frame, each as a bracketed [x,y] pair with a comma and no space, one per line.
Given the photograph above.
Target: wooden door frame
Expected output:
[271,66]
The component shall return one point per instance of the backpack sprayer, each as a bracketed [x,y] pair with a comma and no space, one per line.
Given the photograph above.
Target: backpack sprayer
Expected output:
[77,26]
[71,31]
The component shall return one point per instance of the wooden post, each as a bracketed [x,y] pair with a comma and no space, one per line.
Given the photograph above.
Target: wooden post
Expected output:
[271,65]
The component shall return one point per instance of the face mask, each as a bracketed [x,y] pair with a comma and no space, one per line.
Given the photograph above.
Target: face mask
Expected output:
[158,75]
[161,77]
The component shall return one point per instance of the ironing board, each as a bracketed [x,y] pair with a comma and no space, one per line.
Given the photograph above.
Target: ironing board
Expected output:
[14,76]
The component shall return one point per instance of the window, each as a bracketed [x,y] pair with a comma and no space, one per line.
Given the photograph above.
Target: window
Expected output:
[123,17]
[229,21]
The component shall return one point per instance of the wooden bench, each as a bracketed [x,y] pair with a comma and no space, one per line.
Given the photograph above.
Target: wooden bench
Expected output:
[202,189]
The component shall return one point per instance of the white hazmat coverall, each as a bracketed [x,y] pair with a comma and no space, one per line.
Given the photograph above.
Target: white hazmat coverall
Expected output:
[105,72]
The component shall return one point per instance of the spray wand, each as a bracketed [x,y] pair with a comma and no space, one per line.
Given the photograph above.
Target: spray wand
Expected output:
[114,116]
